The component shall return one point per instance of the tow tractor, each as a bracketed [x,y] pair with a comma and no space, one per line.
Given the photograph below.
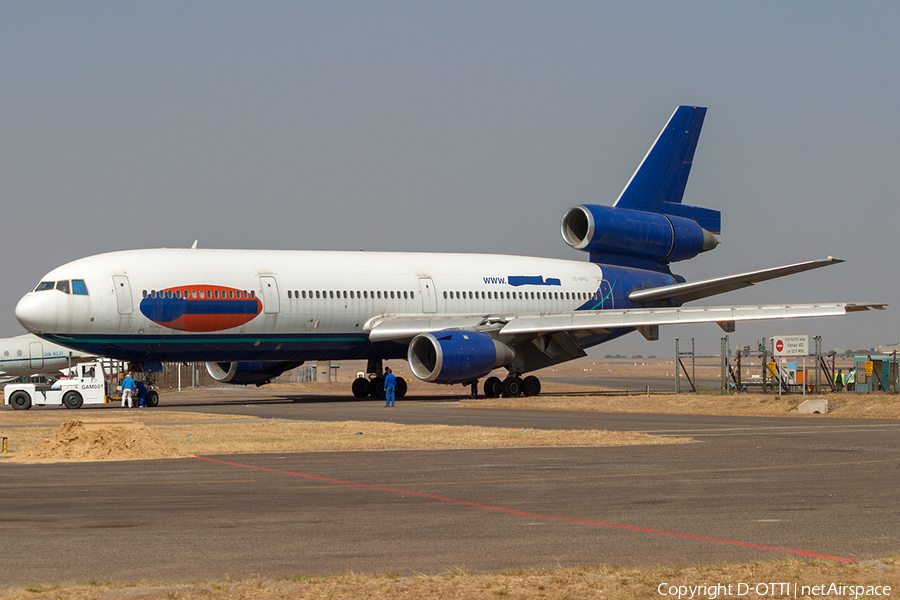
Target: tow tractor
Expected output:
[91,384]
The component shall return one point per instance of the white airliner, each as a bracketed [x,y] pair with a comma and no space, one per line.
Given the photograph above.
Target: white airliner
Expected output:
[252,314]
[26,355]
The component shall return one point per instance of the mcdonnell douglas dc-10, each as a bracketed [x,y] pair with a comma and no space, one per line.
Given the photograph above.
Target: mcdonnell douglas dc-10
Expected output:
[253,314]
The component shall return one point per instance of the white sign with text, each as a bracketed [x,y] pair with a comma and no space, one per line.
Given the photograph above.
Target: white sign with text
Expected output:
[791,345]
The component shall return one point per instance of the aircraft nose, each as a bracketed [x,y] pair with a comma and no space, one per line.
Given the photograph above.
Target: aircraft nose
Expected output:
[31,312]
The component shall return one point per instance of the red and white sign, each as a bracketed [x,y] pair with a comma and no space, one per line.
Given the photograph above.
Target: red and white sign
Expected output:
[791,345]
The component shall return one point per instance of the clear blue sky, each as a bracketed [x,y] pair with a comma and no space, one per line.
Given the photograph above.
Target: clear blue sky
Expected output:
[456,126]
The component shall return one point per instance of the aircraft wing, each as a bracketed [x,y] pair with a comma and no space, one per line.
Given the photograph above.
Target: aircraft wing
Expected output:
[694,290]
[586,323]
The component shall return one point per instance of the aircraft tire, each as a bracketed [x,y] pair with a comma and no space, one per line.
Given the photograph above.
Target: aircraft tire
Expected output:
[360,387]
[152,399]
[20,400]
[73,400]
[400,388]
[492,387]
[511,387]
[531,386]
[376,387]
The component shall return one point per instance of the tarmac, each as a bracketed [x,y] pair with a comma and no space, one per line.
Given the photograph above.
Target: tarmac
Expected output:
[747,489]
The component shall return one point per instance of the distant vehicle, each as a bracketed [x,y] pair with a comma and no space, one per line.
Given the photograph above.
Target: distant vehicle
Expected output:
[91,384]
[253,314]
[27,355]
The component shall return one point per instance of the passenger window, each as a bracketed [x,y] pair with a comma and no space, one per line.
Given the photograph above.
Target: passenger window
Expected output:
[345,294]
[79,288]
[351,294]
[331,294]
[289,294]
[366,295]
[404,295]
[144,293]
[193,294]
[253,293]
[170,294]
[317,293]
[445,295]
[379,295]
[63,286]
[392,295]
[202,294]
[178,293]
[412,295]
[45,285]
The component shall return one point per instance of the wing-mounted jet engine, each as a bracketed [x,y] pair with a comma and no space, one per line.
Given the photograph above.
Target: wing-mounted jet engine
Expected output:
[249,372]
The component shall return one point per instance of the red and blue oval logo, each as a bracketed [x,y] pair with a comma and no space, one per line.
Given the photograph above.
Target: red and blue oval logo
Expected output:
[200,308]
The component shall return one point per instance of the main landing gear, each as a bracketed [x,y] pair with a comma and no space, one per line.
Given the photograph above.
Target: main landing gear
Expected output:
[373,386]
[512,387]
[363,388]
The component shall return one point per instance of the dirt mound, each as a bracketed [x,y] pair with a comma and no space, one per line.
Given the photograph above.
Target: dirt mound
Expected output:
[113,440]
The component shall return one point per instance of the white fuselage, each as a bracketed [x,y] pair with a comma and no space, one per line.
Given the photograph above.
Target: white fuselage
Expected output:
[130,302]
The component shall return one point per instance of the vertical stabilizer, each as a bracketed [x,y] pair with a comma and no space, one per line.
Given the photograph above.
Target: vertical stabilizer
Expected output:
[659,182]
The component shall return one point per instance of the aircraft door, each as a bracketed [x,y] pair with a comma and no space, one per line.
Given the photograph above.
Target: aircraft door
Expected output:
[123,294]
[429,298]
[36,352]
[271,303]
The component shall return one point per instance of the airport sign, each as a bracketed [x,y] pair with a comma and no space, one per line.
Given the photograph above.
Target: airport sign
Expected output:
[791,345]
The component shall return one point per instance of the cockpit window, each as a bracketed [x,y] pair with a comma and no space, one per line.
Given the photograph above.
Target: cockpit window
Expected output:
[45,285]
[63,286]
[79,288]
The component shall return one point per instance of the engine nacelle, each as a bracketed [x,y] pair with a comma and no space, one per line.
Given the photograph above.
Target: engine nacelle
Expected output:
[456,356]
[249,372]
[606,230]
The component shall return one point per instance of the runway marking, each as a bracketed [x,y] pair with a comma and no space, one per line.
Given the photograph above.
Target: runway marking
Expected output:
[536,515]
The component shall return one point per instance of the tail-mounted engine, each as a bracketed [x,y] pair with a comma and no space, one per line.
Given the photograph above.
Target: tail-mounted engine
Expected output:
[633,238]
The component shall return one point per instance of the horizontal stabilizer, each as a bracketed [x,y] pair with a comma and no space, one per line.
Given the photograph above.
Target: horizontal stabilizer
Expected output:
[694,290]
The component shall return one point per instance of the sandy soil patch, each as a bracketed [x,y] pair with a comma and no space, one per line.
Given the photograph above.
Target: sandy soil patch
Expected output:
[109,440]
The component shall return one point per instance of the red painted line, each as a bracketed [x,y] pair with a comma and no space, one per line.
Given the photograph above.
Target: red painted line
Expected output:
[537,515]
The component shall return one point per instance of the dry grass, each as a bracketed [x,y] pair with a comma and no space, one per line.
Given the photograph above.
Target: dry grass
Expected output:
[845,405]
[52,417]
[575,583]
[269,436]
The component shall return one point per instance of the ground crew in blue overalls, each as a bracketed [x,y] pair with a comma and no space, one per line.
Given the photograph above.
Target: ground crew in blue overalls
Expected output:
[390,382]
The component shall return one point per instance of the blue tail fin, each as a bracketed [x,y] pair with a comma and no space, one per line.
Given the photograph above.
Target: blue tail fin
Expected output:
[659,182]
